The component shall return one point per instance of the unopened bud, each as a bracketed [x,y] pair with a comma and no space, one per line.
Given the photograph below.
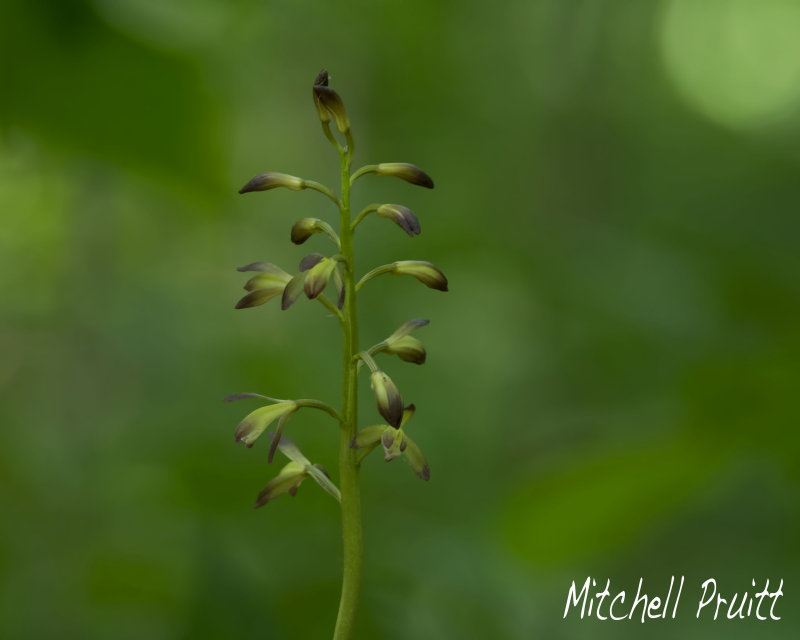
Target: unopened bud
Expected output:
[390,403]
[321,81]
[408,172]
[304,229]
[326,99]
[260,296]
[293,290]
[427,273]
[273,180]
[317,277]
[256,422]
[402,216]
[407,348]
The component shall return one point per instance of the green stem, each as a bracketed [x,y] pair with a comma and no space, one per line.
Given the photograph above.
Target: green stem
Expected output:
[364,213]
[316,186]
[310,403]
[369,168]
[330,307]
[377,271]
[348,463]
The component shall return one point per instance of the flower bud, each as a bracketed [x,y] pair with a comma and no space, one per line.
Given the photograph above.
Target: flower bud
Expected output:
[408,172]
[402,216]
[317,277]
[321,81]
[287,481]
[425,272]
[328,100]
[256,422]
[293,290]
[390,403]
[304,229]
[273,180]
[272,277]
[259,296]
[407,348]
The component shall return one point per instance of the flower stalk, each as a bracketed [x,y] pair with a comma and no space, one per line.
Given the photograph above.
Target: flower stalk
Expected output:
[317,273]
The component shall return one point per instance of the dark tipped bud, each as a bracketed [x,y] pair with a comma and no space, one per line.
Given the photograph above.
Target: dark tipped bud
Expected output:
[408,172]
[304,229]
[390,403]
[408,349]
[272,180]
[259,297]
[402,216]
[292,291]
[330,102]
[266,280]
[427,273]
[317,277]
[321,81]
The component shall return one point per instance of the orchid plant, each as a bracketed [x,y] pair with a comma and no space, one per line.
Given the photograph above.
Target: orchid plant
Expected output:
[317,274]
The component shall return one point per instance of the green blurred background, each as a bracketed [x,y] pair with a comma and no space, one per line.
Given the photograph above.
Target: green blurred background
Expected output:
[612,381]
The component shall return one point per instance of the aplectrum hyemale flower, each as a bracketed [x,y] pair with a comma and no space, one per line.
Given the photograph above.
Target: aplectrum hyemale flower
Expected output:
[316,274]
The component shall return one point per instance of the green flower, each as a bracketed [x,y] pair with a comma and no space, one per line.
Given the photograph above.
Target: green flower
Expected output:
[395,443]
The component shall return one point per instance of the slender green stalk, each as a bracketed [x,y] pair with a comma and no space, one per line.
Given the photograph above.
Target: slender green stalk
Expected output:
[348,464]
[364,213]
[316,273]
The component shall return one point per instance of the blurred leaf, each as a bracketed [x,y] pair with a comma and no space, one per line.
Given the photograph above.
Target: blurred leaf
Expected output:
[91,90]
[598,505]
